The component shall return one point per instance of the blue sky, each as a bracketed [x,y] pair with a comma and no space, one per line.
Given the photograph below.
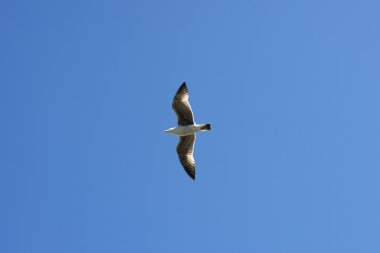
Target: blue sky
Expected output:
[291,89]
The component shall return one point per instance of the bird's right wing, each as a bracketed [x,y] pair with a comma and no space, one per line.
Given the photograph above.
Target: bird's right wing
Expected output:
[185,151]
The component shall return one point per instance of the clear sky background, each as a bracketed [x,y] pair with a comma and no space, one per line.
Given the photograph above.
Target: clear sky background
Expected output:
[292,89]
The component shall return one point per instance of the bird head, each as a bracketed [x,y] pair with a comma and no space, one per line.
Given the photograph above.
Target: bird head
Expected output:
[169,130]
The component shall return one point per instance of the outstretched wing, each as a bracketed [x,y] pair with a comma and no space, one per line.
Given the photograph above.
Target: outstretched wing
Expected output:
[185,151]
[182,107]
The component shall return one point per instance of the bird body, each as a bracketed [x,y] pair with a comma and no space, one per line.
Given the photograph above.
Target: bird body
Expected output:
[186,129]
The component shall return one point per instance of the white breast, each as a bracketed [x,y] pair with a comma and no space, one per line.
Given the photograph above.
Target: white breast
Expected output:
[185,130]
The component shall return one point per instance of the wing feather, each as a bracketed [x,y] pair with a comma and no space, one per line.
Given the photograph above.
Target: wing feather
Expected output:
[185,151]
[182,107]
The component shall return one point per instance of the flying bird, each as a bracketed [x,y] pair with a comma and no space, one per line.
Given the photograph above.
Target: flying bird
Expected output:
[186,129]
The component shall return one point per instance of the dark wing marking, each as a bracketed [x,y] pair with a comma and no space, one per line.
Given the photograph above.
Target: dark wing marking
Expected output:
[182,107]
[185,153]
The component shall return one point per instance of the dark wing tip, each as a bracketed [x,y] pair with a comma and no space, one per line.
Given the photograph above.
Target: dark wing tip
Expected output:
[190,169]
[182,88]
[191,174]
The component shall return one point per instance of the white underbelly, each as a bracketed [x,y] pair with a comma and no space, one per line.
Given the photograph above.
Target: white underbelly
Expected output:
[185,130]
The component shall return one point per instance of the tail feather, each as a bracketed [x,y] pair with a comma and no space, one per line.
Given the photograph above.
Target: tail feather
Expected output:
[205,127]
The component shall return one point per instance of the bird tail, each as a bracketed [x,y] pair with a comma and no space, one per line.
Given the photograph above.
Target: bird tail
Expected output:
[205,127]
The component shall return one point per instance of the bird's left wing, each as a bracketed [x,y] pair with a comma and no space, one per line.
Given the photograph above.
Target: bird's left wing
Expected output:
[182,107]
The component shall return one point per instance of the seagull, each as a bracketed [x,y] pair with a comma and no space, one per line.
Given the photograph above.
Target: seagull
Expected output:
[186,129]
